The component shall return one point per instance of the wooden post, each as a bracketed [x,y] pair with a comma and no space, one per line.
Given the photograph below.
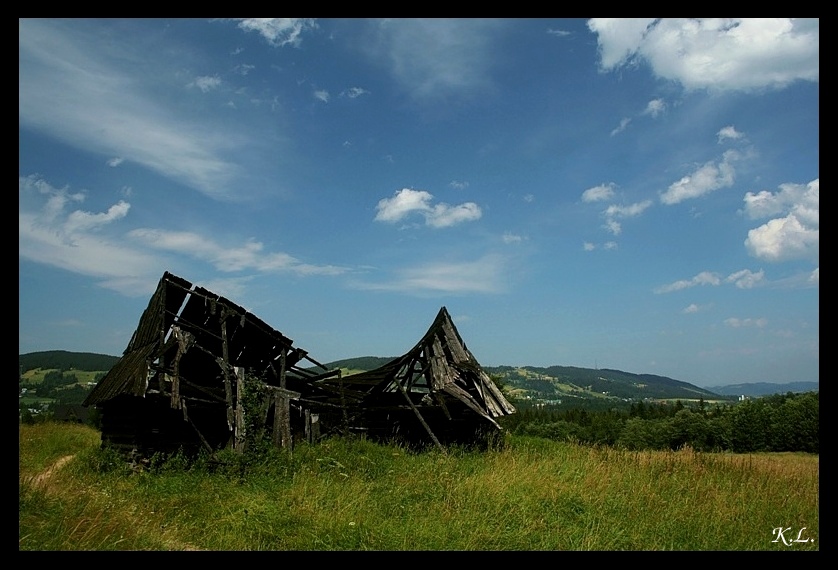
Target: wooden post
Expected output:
[282,410]
[421,419]
[240,430]
[232,424]
[312,427]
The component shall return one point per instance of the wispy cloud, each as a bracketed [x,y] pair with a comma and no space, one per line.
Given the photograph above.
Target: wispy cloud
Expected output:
[795,235]
[437,57]
[278,32]
[707,178]
[614,212]
[739,323]
[82,95]
[407,201]
[251,255]
[743,279]
[354,92]
[703,278]
[52,233]
[322,95]
[485,275]
[714,53]
[624,123]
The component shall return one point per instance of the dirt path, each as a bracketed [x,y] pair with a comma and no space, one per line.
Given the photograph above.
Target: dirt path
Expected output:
[41,478]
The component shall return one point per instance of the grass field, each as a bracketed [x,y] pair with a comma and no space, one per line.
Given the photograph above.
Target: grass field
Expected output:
[528,494]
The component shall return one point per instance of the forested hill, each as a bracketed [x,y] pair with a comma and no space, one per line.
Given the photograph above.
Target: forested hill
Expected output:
[65,360]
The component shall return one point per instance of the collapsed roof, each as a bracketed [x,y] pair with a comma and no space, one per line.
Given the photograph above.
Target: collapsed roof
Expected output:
[181,380]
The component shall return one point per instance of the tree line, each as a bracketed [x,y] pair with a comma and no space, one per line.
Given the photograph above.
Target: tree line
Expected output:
[780,422]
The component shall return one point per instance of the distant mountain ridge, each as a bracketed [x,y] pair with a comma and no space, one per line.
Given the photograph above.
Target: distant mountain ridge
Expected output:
[545,383]
[757,389]
[66,360]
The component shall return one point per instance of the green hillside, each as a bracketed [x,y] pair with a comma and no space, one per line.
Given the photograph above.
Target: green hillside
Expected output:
[66,360]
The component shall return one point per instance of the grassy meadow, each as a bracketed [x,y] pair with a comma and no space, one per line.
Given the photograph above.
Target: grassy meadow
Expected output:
[526,494]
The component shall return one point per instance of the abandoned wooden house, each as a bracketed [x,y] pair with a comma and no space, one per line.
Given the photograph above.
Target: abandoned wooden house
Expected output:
[202,372]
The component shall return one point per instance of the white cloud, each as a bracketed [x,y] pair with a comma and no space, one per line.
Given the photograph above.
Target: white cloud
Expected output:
[322,95]
[655,108]
[613,226]
[739,323]
[458,185]
[714,53]
[509,237]
[599,193]
[206,83]
[609,245]
[354,92]
[746,279]
[728,133]
[693,308]
[116,161]
[703,278]
[796,235]
[588,246]
[406,201]
[705,179]
[279,31]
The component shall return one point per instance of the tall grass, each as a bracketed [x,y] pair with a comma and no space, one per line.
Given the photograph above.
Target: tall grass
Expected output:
[529,494]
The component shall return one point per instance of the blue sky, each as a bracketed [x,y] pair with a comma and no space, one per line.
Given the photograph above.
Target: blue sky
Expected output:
[634,194]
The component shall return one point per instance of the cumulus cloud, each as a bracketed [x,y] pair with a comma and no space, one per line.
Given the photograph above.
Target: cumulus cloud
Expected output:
[707,178]
[795,232]
[713,53]
[278,31]
[746,279]
[655,108]
[407,201]
[206,83]
[599,193]
[728,133]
